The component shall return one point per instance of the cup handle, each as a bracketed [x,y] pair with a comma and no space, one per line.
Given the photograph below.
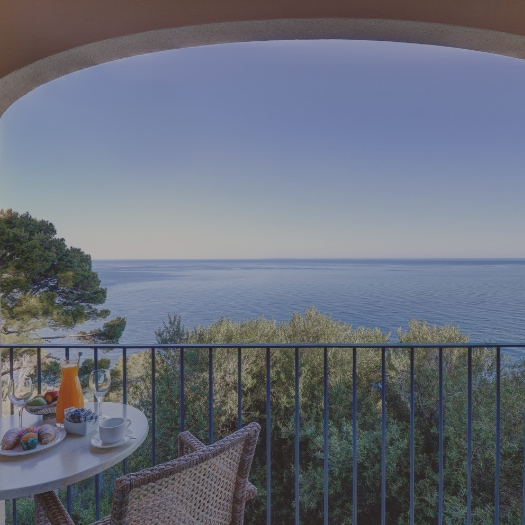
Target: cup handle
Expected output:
[128,423]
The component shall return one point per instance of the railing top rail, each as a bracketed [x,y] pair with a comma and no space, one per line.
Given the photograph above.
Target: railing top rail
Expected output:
[271,345]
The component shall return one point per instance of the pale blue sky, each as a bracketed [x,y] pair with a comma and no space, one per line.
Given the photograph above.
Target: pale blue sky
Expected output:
[277,149]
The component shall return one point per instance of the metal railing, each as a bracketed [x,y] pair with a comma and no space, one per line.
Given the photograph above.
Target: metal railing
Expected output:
[397,370]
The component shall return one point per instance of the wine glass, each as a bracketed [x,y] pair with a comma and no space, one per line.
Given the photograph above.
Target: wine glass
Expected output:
[19,392]
[99,383]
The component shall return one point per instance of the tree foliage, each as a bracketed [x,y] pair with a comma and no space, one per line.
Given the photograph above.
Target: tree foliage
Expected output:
[45,283]
[314,327]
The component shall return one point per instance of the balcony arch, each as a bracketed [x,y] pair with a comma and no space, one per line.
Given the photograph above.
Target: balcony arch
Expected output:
[42,41]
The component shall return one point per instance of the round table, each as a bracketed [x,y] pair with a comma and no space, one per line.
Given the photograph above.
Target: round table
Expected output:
[73,459]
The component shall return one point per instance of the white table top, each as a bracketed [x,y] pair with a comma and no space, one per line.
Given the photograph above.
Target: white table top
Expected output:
[69,461]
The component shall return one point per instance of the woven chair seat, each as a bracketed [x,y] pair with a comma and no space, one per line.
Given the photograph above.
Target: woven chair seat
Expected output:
[206,485]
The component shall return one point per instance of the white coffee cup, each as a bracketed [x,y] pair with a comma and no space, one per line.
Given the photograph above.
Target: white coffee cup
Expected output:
[113,429]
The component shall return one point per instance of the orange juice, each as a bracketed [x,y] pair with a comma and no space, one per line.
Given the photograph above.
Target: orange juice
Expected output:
[70,392]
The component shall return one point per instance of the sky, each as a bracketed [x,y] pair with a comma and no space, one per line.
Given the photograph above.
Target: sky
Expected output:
[297,149]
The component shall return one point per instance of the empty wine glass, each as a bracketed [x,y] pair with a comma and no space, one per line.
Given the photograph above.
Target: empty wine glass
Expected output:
[19,392]
[99,383]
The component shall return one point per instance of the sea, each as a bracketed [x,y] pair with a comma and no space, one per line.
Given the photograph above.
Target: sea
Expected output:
[485,298]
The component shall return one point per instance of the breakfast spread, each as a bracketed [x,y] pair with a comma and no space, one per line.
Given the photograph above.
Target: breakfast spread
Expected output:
[28,437]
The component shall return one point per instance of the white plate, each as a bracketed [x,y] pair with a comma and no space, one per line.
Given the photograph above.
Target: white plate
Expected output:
[19,451]
[98,443]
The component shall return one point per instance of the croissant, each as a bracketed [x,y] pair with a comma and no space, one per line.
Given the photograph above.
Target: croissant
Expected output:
[11,439]
[46,434]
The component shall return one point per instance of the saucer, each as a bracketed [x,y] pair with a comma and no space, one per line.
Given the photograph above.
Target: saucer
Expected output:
[98,443]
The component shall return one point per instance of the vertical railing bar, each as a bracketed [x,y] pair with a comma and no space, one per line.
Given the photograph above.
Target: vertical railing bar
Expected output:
[412,438]
[97,476]
[297,377]
[210,395]
[440,431]
[69,496]
[95,367]
[383,436]
[354,437]
[153,410]
[11,374]
[325,435]
[181,394]
[69,502]
[268,442]
[498,430]
[469,433]
[97,496]
[125,392]
[39,369]
[523,496]
[239,388]
[125,375]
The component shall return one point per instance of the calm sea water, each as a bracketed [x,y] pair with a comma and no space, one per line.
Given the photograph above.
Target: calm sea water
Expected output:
[485,298]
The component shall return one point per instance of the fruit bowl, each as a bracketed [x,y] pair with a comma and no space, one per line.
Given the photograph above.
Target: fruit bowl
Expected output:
[48,411]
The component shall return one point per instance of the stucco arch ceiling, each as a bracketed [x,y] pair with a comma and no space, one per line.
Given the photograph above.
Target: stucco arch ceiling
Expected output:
[41,40]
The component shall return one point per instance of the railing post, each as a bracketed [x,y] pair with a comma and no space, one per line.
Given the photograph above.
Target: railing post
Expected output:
[39,369]
[153,409]
[412,439]
[181,394]
[268,442]
[210,395]
[469,434]
[354,437]
[440,432]
[325,434]
[97,476]
[125,393]
[523,494]
[297,441]
[498,430]
[239,389]
[383,436]
[11,366]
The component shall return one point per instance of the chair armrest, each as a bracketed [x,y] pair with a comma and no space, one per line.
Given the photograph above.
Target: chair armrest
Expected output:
[251,491]
[49,510]
[189,443]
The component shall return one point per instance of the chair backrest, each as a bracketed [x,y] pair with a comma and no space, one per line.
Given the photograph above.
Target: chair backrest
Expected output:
[205,487]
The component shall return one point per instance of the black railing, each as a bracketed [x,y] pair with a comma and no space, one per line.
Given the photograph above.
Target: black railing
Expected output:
[394,376]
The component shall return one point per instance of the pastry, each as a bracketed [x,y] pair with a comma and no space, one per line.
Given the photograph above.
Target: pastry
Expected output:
[11,439]
[29,440]
[46,434]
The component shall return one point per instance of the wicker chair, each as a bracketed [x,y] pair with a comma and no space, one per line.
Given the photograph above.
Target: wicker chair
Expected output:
[206,485]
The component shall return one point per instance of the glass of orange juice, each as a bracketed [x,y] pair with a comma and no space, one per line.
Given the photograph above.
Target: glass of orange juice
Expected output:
[70,392]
